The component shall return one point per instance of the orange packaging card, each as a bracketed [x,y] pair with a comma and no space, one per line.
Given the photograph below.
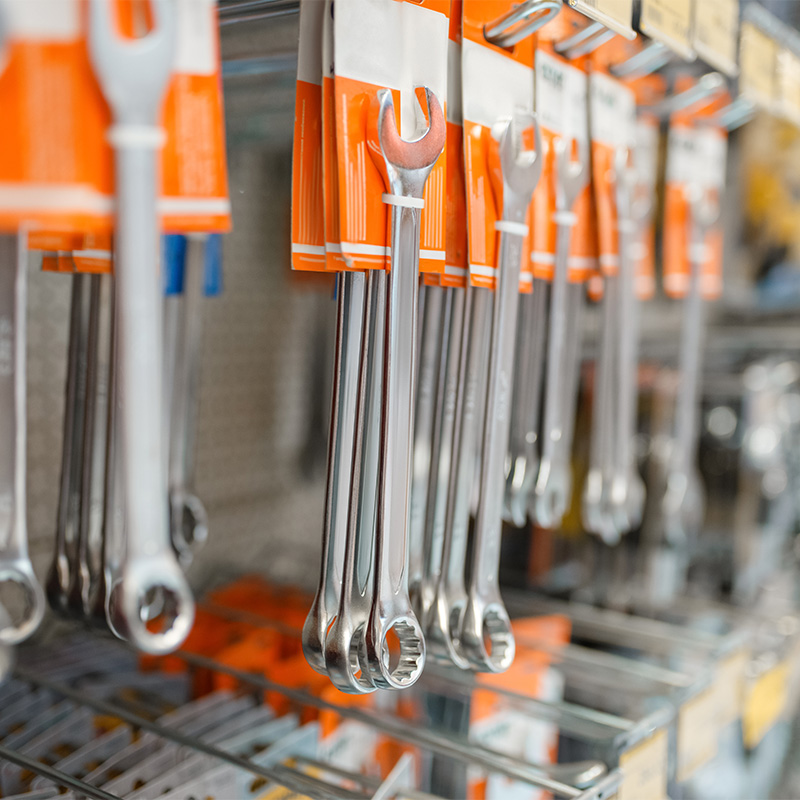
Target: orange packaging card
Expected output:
[455,266]
[56,167]
[696,162]
[498,725]
[496,83]
[94,254]
[561,106]
[308,207]
[612,124]
[400,45]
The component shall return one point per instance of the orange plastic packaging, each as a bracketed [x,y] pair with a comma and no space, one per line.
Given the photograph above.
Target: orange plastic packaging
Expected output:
[400,45]
[308,207]
[497,82]
[612,124]
[696,159]
[496,724]
[56,166]
[562,110]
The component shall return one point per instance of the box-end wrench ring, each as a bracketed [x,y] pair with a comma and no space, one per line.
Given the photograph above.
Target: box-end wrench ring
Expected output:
[407,165]
[486,637]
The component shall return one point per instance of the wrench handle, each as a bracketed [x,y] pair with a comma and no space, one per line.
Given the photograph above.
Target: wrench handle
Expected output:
[391,546]
[488,524]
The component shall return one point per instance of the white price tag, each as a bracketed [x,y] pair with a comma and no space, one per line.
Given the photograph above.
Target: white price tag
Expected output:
[789,85]
[716,33]
[670,22]
[698,733]
[757,62]
[614,14]
[644,770]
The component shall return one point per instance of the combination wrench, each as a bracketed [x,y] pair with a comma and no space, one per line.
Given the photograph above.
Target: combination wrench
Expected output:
[15,563]
[443,631]
[348,345]
[59,576]
[345,645]
[486,637]
[407,165]
[683,500]
[553,483]
[133,76]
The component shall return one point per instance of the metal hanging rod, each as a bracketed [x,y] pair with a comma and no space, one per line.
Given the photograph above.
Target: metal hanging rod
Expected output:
[285,776]
[55,775]
[232,12]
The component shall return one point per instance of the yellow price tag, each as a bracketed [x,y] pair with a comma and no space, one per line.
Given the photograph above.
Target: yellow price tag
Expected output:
[644,770]
[716,33]
[614,14]
[698,733]
[757,56]
[670,22]
[789,85]
[765,701]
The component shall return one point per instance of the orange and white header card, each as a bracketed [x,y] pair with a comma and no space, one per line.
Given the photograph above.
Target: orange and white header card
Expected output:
[497,83]
[308,228]
[400,45]
[56,165]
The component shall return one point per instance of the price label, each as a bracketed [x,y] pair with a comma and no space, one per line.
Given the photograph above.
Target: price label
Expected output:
[716,33]
[644,770]
[789,85]
[669,22]
[757,57]
[614,14]
[698,733]
[764,703]
[729,687]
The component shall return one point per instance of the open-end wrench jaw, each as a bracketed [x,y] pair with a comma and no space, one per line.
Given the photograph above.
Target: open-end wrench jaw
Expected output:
[487,640]
[407,166]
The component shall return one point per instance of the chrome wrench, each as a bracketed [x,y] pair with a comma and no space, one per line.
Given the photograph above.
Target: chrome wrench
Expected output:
[59,576]
[188,517]
[486,637]
[133,76]
[349,335]
[345,645]
[15,563]
[443,631]
[553,483]
[429,350]
[407,166]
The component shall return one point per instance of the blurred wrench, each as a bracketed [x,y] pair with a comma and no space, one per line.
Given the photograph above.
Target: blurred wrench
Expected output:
[523,456]
[15,564]
[188,518]
[407,166]
[486,637]
[59,576]
[429,350]
[134,76]
[349,335]
[553,483]
[345,645]
[443,631]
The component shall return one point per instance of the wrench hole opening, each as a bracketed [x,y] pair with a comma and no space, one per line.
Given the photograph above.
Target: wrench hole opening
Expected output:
[17,600]
[498,640]
[402,652]
[159,609]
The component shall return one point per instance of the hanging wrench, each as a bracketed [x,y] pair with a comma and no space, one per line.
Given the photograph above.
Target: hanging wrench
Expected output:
[59,576]
[349,334]
[15,564]
[134,76]
[523,449]
[429,350]
[553,483]
[407,166]
[486,636]
[444,429]
[345,646]
[450,598]
[188,518]
[683,500]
